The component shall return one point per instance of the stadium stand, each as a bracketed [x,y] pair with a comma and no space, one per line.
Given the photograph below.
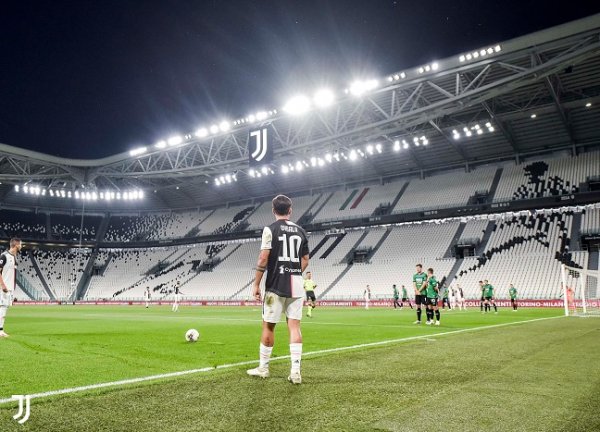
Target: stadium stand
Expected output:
[359,201]
[26,225]
[62,270]
[519,244]
[590,223]
[446,189]
[66,227]
[547,177]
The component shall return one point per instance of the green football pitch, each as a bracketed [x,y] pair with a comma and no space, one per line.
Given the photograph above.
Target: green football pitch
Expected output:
[532,370]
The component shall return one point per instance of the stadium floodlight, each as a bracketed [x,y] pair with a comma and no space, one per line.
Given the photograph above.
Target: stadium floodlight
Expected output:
[16,188]
[228,178]
[261,115]
[63,194]
[589,104]
[462,59]
[224,126]
[324,98]
[360,87]
[475,54]
[138,151]
[299,104]
[497,48]
[217,182]
[488,125]
[370,149]
[360,152]
[176,140]
[533,116]
[396,145]
[379,148]
[482,53]
[353,155]
[402,75]
[285,169]
[313,161]
[251,118]
[477,127]
[491,129]
[252,173]
[320,162]
[490,50]
[336,156]
[469,56]
[52,194]
[160,144]
[390,78]
[424,140]
[264,170]
[421,70]
[468,133]
[435,66]
[405,144]
[455,135]
[479,131]
[94,196]
[214,129]
[328,157]
[202,133]
[68,193]
[299,166]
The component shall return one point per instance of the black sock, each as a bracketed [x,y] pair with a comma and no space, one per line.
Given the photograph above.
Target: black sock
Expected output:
[410,304]
[481,306]
[495,308]
[418,314]
[437,314]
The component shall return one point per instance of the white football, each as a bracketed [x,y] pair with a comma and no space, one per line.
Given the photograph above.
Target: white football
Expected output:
[192,335]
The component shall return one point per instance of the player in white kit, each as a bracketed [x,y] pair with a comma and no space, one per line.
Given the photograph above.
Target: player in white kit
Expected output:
[176,297]
[147,296]
[8,279]
[367,295]
[453,293]
[460,297]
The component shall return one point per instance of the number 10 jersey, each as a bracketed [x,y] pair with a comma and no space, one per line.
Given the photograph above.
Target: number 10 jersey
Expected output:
[288,243]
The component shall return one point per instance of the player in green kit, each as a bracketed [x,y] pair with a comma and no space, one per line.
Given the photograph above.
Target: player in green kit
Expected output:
[405,298]
[432,292]
[482,289]
[445,301]
[489,300]
[396,297]
[420,285]
[512,291]
[309,287]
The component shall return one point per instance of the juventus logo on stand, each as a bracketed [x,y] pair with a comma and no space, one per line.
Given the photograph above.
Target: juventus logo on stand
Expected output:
[27,410]
[259,146]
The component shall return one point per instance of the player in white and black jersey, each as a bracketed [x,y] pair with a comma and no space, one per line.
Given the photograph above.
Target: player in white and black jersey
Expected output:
[147,296]
[284,256]
[176,296]
[8,279]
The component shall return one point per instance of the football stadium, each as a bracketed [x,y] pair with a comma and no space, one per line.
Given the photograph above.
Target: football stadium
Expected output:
[448,214]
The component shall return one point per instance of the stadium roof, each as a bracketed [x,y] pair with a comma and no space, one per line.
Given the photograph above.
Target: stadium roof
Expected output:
[531,95]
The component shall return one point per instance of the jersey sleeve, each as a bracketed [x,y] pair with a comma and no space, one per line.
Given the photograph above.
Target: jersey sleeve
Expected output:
[267,239]
[2,261]
[304,248]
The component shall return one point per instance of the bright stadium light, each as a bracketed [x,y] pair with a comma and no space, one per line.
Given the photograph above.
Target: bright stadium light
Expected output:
[297,105]
[285,169]
[353,155]
[497,48]
[533,116]
[160,144]
[323,98]
[202,133]
[299,166]
[469,56]
[405,144]
[176,140]
[396,145]
[435,66]
[224,126]
[251,118]
[264,170]
[261,115]
[360,87]
[588,105]
[138,151]
[252,173]
[214,129]
[313,161]
[320,162]
[370,149]
[328,157]
[379,148]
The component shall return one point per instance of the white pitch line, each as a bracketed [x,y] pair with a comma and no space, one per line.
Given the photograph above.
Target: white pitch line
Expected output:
[249,362]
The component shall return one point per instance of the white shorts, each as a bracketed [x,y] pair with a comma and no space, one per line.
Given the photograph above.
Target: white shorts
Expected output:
[6,299]
[274,306]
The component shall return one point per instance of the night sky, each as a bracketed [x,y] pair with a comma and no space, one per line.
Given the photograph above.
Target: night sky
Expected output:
[88,79]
